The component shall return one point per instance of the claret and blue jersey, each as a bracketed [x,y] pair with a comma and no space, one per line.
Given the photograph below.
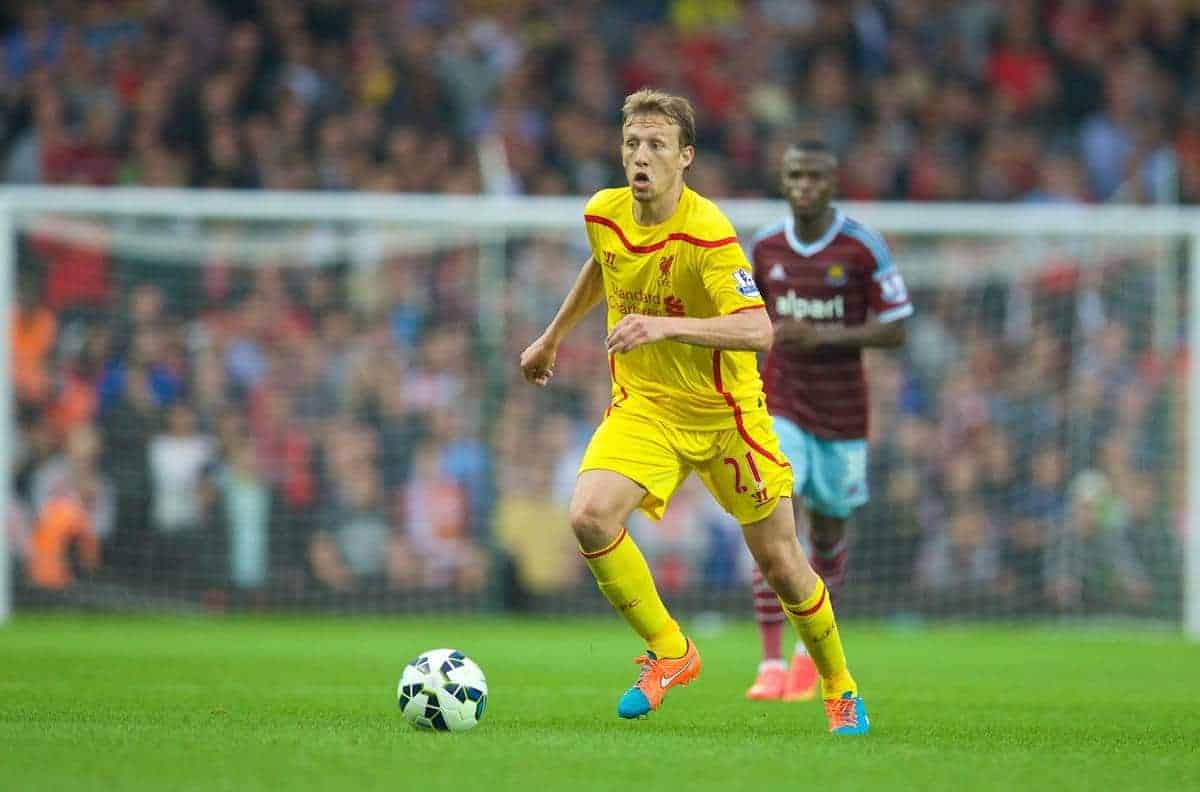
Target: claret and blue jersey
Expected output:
[844,277]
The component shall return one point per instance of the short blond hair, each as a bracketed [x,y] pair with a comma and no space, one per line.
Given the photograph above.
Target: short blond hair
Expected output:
[676,108]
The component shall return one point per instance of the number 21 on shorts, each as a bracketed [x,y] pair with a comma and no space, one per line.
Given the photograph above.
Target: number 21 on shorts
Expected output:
[760,490]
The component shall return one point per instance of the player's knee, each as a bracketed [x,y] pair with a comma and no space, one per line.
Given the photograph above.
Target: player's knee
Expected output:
[593,524]
[780,568]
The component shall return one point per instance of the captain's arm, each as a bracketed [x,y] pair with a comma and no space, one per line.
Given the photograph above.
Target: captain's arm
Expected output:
[748,328]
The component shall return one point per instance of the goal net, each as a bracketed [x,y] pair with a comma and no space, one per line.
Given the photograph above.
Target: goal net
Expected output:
[263,401]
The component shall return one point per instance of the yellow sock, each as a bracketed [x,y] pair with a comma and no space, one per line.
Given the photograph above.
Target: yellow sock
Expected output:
[813,620]
[624,579]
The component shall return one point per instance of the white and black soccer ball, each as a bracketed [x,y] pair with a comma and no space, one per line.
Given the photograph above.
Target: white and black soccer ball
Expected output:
[444,690]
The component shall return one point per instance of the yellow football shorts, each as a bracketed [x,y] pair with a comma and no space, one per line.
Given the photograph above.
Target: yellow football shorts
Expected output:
[742,467]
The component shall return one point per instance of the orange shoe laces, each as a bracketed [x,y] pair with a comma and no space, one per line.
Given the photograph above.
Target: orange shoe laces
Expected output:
[841,713]
[647,663]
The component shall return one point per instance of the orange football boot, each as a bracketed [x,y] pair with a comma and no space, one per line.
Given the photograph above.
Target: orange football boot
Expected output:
[847,715]
[770,682]
[658,676]
[803,679]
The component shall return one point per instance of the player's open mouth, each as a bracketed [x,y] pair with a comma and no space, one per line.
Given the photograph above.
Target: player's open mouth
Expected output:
[641,179]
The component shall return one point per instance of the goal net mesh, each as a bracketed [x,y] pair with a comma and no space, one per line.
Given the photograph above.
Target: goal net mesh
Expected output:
[254,414]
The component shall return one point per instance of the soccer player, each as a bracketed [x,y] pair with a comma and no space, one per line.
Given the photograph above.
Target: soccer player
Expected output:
[831,290]
[685,320]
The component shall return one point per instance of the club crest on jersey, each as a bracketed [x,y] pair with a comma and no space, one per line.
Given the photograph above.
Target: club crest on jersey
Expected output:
[777,272]
[745,283]
[835,275]
[664,268]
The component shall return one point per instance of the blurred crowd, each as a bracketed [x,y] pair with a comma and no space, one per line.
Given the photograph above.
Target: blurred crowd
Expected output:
[1025,447]
[250,429]
[223,433]
[278,434]
[1068,100]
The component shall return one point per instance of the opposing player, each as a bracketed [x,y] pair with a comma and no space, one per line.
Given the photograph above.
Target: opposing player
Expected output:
[684,322]
[831,290]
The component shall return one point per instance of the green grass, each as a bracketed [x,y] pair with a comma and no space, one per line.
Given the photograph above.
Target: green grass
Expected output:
[131,704]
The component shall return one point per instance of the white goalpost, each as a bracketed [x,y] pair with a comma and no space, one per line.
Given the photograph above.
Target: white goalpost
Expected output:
[1191,531]
[960,246]
[7,269]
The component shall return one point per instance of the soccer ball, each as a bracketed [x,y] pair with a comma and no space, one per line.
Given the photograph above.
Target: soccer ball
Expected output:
[444,690]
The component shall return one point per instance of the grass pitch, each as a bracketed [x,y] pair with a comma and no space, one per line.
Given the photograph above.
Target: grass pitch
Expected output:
[287,704]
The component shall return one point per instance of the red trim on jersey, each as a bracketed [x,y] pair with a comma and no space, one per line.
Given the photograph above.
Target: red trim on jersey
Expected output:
[737,412]
[814,608]
[612,367]
[747,308]
[677,236]
[606,550]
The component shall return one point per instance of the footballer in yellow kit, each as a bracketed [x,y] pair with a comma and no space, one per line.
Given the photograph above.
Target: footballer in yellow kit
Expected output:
[677,407]
[685,321]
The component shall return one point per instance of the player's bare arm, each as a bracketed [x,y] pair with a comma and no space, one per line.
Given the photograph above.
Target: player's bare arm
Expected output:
[872,333]
[743,330]
[537,361]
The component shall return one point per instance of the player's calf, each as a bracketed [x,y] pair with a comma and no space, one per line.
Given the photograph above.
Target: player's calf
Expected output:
[830,564]
[828,549]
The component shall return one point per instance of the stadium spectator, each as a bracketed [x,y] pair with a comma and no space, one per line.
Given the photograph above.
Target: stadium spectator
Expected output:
[545,560]
[78,462]
[354,548]
[63,542]
[1038,515]
[72,511]
[144,371]
[888,535]
[435,512]
[128,424]
[208,386]
[1090,559]
[466,458]
[76,401]
[247,509]
[181,463]
[34,328]
[961,562]
[246,355]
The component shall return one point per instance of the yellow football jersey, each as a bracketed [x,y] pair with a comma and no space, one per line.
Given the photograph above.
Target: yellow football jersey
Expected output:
[689,265]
